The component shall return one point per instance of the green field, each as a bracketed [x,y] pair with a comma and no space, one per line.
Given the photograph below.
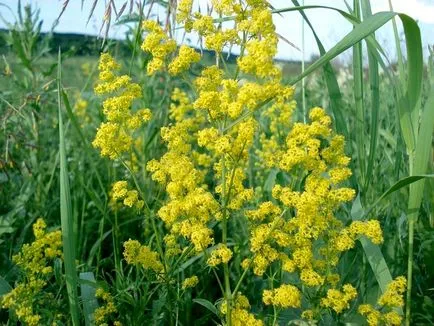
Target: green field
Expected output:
[143,182]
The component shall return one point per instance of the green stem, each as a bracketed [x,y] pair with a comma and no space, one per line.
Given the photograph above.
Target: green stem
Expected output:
[274,315]
[303,81]
[228,292]
[240,280]
[409,270]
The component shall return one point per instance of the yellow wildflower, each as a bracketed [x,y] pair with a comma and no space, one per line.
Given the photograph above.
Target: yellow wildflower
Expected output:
[220,255]
[35,260]
[137,254]
[339,300]
[185,58]
[393,296]
[103,313]
[285,296]
[158,44]
[190,282]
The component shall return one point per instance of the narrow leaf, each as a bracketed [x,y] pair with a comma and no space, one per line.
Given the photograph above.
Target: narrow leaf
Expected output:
[88,298]
[66,214]
[208,305]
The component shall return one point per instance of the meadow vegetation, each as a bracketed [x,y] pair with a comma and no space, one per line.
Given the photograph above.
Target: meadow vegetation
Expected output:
[156,183]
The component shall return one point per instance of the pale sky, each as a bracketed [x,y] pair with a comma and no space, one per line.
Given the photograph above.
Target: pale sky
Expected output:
[329,25]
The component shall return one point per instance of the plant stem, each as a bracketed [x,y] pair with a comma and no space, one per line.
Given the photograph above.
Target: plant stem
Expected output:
[228,292]
[409,270]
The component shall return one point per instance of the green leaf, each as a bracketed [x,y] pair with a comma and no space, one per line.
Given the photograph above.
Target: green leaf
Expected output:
[422,155]
[208,305]
[88,290]
[4,286]
[271,180]
[359,134]
[377,262]
[66,214]
[360,31]
[398,185]
[374,83]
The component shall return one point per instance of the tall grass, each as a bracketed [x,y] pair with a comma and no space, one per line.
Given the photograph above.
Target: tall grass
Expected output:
[66,216]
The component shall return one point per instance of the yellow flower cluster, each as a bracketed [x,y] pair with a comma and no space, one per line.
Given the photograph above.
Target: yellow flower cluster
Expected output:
[262,48]
[182,62]
[268,222]
[220,255]
[313,207]
[222,97]
[392,298]
[130,197]
[35,260]
[240,316]
[137,254]
[115,136]
[158,44]
[339,300]
[279,120]
[370,229]
[190,282]
[172,247]
[204,171]
[190,205]
[183,12]
[104,313]
[301,230]
[285,296]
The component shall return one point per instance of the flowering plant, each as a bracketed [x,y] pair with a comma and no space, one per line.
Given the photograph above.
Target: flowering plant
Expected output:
[229,131]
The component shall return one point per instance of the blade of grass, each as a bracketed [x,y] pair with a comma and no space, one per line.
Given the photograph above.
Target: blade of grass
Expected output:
[398,185]
[90,303]
[359,100]
[303,81]
[362,31]
[409,97]
[374,82]
[208,305]
[419,164]
[66,214]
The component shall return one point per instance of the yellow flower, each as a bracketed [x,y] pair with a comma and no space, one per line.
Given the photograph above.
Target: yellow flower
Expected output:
[104,312]
[158,44]
[114,137]
[183,11]
[119,190]
[393,296]
[339,300]
[311,278]
[392,318]
[190,282]
[371,229]
[137,254]
[307,314]
[35,260]
[285,296]
[373,317]
[220,255]
[185,58]
[131,198]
